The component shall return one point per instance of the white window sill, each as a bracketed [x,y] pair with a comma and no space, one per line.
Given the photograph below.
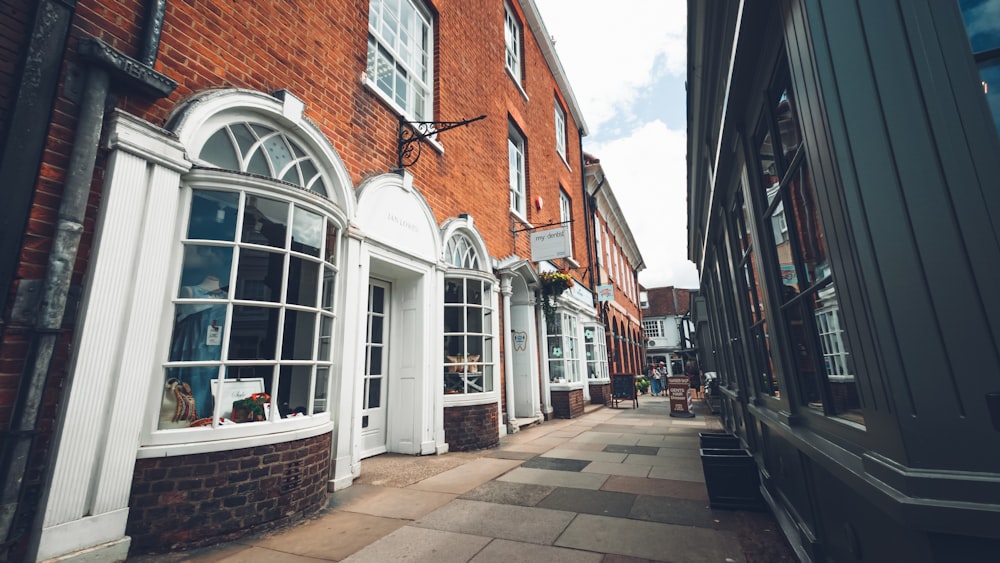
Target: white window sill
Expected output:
[223,439]
[470,399]
[569,386]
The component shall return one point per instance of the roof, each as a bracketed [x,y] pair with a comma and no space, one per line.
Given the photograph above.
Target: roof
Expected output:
[667,301]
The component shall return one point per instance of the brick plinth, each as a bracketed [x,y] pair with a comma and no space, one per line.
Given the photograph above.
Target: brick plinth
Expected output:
[196,500]
[600,394]
[472,427]
[567,404]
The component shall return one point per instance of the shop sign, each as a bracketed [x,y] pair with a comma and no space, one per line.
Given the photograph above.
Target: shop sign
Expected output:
[678,389]
[550,243]
[606,292]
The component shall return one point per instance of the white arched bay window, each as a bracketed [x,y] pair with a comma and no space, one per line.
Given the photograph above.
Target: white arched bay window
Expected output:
[469,318]
[252,310]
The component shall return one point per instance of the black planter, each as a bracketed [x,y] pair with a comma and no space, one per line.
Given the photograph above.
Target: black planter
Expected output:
[719,441]
[732,479]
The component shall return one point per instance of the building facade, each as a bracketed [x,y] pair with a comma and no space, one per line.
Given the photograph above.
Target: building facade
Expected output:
[615,265]
[843,214]
[247,246]
[667,326]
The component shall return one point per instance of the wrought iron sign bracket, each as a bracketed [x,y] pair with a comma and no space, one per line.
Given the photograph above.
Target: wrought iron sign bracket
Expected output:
[412,133]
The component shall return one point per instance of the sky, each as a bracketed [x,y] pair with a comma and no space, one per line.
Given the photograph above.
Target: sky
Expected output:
[627,67]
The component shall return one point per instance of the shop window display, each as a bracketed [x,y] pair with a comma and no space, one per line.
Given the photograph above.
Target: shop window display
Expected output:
[253,316]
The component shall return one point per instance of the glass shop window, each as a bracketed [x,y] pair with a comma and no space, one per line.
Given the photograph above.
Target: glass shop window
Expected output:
[595,348]
[252,337]
[809,310]
[468,338]
[563,350]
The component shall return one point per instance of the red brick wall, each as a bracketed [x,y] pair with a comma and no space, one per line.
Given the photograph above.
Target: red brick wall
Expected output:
[187,501]
[600,394]
[470,428]
[567,404]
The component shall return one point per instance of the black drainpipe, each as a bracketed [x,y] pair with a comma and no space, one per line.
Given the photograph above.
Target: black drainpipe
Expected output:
[104,66]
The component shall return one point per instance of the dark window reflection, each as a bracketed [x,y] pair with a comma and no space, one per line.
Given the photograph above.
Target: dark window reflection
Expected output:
[213,215]
[265,222]
[254,333]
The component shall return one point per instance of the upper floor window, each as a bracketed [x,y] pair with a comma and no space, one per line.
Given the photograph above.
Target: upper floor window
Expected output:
[518,175]
[983,28]
[644,299]
[512,42]
[597,240]
[560,122]
[400,55]
[652,328]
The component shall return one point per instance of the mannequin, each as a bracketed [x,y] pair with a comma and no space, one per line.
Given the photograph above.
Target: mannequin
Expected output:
[198,337]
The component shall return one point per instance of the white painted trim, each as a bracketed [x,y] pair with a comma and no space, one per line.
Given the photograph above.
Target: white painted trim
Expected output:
[83,535]
[223,444]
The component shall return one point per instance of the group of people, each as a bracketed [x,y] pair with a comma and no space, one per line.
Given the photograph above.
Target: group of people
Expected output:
[658,379]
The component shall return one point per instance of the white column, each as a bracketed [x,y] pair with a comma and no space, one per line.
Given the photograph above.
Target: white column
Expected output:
[543,355]
[508,355]
[354,279]
[87,502]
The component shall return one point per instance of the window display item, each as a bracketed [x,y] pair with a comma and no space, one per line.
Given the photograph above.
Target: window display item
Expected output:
[178,408]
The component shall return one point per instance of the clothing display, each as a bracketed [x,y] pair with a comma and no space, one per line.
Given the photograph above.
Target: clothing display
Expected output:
[198,337]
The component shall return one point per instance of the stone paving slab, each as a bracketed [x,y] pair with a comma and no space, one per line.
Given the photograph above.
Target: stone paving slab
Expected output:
[603,503]
[501,492]
[660,459]
[658,487]
[518,523]
[410,543]
[692,473]
[650,540]
[631,470]
[683,512]
[333,537]
[586,455]
[467,477]
[390,502]
[581,446]
[607,438]
[631,449]
[255,554]
[512,454]
[556,463]
[505,551]
[555,478]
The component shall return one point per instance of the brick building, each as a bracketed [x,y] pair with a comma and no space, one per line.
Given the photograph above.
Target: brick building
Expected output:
[218,203]
[616,266]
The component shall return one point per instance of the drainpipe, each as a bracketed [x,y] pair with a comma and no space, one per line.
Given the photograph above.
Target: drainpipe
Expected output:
[103,62]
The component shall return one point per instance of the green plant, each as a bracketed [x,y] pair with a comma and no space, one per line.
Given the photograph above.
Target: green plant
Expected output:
[553,285]
[642,384]
[253,406]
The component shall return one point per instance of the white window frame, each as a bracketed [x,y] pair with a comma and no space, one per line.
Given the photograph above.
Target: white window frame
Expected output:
[598,229]
[517,170]
[512,43]
[563,351]
[466,374]
[560,124]
[653,328]
[595,349]
[566,216]
[409,52]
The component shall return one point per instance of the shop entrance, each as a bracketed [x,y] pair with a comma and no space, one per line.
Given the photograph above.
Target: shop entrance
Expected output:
[373,408]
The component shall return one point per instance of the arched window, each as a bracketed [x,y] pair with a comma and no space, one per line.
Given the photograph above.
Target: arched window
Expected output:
[257,149]
[251,332]
[469,317]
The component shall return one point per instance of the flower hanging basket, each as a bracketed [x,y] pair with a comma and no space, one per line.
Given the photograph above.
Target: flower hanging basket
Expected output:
[553,285]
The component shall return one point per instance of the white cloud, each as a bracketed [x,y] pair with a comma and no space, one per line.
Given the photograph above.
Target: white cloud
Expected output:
[647,171]
[616,60]
[611,55]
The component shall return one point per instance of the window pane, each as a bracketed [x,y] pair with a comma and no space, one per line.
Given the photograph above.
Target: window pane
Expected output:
[259,274]
[329,279]
[804,218]
[374,392]
[213,215]
[303,282]
[375,360]
[989,73]
[325,338]
[294,387]
[219,151]
[320,392]
[299,335]
[307,232]
[205,270]
[254,333]
[265,221]
[788,126]
[981,23]
[453,291]
[768,168]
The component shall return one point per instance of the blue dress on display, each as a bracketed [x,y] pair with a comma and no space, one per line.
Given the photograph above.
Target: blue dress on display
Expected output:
[198,337]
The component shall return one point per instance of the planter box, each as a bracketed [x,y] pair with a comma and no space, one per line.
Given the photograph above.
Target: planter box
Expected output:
[732,479]
[719,441]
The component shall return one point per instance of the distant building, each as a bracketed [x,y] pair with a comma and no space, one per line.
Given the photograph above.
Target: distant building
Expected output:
[667,326]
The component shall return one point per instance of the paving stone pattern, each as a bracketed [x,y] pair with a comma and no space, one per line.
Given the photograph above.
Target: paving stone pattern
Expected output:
[616,485]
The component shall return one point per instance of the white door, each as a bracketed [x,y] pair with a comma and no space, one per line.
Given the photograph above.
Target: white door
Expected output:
[525,402]
[373,410]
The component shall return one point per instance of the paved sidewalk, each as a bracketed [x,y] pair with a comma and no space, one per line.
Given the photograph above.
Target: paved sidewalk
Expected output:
[614,486]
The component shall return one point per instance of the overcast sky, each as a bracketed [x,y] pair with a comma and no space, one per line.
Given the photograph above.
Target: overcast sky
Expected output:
[626,65]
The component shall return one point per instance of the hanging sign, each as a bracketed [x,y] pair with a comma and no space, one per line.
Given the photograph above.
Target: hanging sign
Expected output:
[606,292]
[550,243]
